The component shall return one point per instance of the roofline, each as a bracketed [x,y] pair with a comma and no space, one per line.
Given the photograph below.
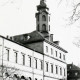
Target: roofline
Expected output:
[19,43]
[28,48]
[57,46]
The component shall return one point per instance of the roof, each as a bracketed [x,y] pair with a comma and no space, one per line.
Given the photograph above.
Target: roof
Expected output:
[37,36]
[72,67]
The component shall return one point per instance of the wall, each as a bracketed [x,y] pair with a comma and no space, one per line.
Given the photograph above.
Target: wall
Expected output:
[19,68]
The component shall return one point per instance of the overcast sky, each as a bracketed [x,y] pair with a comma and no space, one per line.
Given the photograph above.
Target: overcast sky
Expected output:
[18,17]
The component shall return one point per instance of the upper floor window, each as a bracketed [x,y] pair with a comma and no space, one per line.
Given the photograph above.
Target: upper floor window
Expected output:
[63,57]
[51,68]
[36,63]
[41,65]
[46,48]
[60,71]
[7,52]
[47,67]
[23,59]
[56,53]
[60,56]
[43,18]
[29,61]
[16,57]
[51,51]
[64,72]
[56,69]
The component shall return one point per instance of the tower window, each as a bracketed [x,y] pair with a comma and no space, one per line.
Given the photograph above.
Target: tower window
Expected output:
[49,18]
[38,18]
[49,27]
[43,18]
[38,27]
[44,27]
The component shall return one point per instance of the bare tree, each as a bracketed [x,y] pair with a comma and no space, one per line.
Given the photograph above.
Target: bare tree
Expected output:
[8,72]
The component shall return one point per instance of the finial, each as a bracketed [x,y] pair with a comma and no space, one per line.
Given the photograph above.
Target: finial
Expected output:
[42,2]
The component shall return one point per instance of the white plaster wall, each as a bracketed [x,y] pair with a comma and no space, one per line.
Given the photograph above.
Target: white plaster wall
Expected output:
[20,68]
[55,61]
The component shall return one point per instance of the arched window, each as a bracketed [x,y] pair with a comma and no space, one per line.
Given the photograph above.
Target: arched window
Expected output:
[43,27]
[43,18]
[30,78]
[15,77]
[22,78]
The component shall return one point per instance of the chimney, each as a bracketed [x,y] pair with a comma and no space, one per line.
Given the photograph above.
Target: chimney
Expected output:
[51,37]
[56,42]
[8,37]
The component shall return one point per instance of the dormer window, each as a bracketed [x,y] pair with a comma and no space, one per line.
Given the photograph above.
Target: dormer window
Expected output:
[76,74]
[26,37]
[70,67]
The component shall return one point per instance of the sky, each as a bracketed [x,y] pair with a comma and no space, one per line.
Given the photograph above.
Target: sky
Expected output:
[18,17]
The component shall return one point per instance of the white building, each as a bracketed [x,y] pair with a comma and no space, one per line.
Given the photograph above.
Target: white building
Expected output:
[35,55]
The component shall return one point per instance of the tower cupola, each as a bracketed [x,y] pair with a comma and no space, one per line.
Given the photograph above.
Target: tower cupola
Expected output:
[42,5]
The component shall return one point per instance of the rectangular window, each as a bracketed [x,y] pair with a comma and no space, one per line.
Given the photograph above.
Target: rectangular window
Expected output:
[60,71]
[46,67]
[64,73]
[63,57]
[56,53]
[36,63]
[29,61]
[41,65]
[56,69]
[60,56]
[51,68]
[51,51]
[46,48]
[23,58]
[7,50]
[49,18]
[16,57]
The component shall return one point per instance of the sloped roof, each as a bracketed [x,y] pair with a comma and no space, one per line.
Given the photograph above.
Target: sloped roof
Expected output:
[72,67]
[35,36]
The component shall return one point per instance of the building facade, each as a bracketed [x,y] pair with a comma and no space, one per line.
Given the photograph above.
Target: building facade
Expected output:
[73,72]
[34,55]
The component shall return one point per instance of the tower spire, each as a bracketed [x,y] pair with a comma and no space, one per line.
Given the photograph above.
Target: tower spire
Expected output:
[43,18]
[42,5]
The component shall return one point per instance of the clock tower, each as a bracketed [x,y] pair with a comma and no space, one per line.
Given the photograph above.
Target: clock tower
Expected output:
[43,18]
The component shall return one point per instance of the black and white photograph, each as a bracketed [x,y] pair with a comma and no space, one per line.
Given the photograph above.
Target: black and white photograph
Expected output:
[39,39]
